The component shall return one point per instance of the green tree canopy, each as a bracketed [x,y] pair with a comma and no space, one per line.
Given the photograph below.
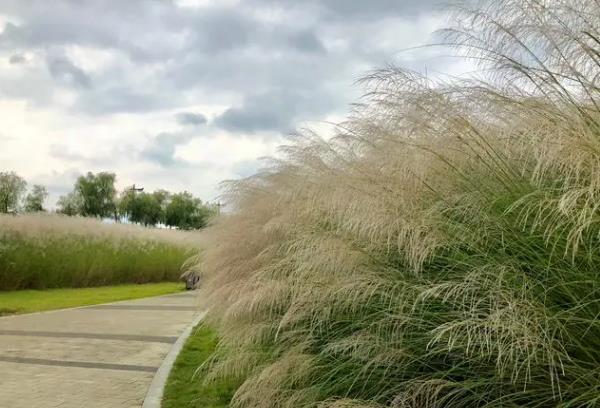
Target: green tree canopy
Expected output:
[12,188]
[187,212]
[162,197]
[34,201]
[69,204]
[94,195]
[97,192]
[143,208]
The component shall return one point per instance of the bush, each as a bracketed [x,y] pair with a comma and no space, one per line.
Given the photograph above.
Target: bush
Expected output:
[51,251]
[442,250]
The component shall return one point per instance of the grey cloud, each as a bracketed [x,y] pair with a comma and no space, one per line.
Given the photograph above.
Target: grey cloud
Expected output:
[111,156]
[222,30]
[63,70]
[275,63]
[252,119]
[211,30]
[161,148]
[120,99]
[375,8]
[212,54]
[361,10]
[188,50]
[62,152]
[33,85]
[55,29]
[246,168]
[100,23]
[191,118]
[17,59]
[274,111]
[306,41]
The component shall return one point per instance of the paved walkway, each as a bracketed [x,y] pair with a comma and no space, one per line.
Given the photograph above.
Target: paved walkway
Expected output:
[92,357]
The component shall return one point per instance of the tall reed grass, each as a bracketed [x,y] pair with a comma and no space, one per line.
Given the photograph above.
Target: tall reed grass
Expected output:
[443,249]
[52,251]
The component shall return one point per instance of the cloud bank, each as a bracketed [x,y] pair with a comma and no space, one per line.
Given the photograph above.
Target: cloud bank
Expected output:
[145,88]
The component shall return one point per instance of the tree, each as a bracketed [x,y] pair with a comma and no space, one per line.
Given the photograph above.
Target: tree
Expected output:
[187,212]
[34,201]
[126,204]
[163,198]
[143,208]
[12,188]
[97,192]
[70,204]
[150,209]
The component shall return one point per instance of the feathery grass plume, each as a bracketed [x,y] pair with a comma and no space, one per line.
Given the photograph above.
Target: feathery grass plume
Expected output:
[442,249]
[39,251]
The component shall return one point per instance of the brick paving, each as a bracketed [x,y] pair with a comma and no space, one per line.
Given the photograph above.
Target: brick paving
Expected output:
[91,357]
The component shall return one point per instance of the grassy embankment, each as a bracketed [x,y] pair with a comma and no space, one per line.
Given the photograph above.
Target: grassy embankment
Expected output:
[443,249]
[50,251]
[27,301]
[186,387]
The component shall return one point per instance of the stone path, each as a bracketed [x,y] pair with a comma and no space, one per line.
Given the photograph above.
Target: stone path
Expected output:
[92,357]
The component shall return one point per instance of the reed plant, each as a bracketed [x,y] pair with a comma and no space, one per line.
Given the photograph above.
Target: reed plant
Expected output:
[442,250]
[40,251]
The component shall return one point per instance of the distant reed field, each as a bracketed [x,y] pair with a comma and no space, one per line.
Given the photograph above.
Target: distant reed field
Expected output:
[442,250]
[53,251]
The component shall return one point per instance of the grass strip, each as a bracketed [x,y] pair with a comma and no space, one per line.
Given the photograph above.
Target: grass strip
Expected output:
[27,301]
[185,387]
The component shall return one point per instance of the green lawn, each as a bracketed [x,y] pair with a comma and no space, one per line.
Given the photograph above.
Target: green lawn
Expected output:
[185,388]
[27,301]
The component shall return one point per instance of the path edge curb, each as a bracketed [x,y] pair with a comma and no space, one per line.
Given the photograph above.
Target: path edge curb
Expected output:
[153,398]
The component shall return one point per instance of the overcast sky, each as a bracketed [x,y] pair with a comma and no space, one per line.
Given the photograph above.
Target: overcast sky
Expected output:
[184,94]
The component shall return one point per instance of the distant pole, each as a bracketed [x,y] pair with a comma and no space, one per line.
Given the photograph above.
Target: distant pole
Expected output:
[134,189]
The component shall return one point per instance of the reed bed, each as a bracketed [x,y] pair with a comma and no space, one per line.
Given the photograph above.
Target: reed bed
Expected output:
[42,251]
[442,250]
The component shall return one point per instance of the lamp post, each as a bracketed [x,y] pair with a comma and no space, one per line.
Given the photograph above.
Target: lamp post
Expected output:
[134,189]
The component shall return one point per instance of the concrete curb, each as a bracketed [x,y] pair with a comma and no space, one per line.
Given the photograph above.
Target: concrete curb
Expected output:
[155,392]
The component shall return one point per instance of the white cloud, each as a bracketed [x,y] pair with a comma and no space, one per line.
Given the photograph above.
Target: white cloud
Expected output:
[205,3]
[224,150]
